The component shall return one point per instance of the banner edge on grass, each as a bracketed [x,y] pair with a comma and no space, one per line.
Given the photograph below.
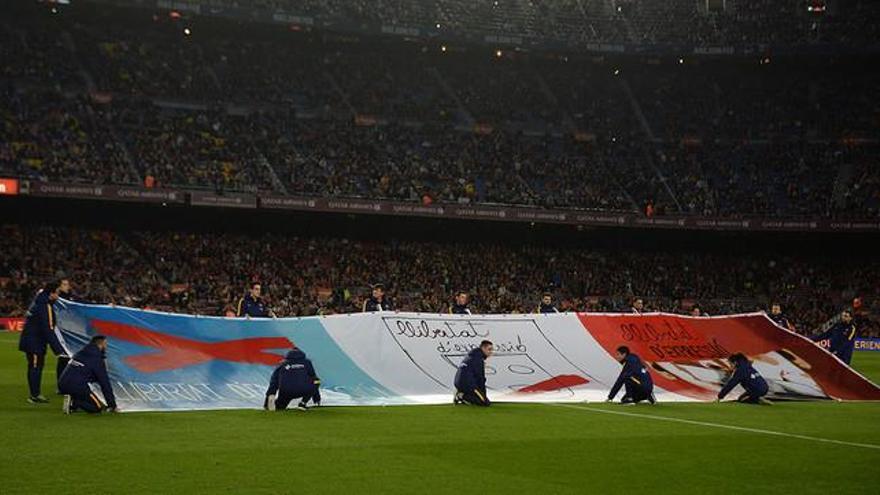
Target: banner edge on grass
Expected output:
[398,358]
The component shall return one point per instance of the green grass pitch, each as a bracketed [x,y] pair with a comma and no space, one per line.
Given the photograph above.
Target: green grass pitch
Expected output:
[535,448]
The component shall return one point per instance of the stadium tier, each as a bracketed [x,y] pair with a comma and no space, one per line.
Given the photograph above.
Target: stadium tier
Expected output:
[123,96]
[594,24]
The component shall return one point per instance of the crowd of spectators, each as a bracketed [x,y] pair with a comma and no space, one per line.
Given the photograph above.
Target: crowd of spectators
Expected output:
[37,54]
[205,273]
[776,100]
[238,109]
[684,22]
[864,195]
[102,262]
[44,134]
[732,180]
[406,163]
[196,148]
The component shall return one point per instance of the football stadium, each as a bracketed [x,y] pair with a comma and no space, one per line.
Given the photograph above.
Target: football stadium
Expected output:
[439,246]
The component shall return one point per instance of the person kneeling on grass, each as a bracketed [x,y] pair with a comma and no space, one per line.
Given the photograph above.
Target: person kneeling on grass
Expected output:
[751,381]
[635,379]
[470,379]
[294,378]
[87,366]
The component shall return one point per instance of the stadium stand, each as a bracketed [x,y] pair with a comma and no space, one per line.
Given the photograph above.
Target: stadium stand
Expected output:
[136,98]
[794,22]
[203,273]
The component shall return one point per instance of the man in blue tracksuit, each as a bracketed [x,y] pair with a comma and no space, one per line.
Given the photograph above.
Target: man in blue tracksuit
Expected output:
[294,378]
[470,379]
[378,301]
[634,378]
[38,333]
[842,336]
[252,305]
[745,375]
[87,366]
[546,305]
[779,318]
[460,305]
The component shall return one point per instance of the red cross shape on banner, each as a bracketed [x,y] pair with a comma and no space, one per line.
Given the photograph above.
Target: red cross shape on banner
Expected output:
[177,352]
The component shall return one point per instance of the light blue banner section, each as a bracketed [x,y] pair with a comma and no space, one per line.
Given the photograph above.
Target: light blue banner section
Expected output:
[161,361]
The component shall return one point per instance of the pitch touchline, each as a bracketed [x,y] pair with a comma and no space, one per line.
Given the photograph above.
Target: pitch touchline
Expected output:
[718,425]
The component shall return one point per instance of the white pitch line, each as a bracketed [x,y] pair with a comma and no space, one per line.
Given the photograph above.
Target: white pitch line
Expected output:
[723,426]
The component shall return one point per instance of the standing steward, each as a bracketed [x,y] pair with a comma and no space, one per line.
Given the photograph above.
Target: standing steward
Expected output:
[252,305]
[39,332]
[638,306]
[460,305]
[842,336]
[546,305]
[377,301]
[779,318]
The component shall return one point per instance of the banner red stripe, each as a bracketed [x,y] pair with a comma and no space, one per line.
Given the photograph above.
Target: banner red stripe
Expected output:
[177,352]
[686,354]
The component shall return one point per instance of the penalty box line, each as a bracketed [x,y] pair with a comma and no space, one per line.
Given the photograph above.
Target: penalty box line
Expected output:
[719,425]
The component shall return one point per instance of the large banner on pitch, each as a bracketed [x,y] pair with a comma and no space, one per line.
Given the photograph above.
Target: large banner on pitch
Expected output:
[161,361]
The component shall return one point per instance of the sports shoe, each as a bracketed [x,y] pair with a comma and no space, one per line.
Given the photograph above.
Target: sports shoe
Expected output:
[652,399]
[38,400]
[764,402]
[302,407]
[65,405]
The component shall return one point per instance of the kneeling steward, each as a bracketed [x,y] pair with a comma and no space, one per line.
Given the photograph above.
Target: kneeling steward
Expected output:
[294,378]
[747,376]
[634,378]
[470,379]
[87,366]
